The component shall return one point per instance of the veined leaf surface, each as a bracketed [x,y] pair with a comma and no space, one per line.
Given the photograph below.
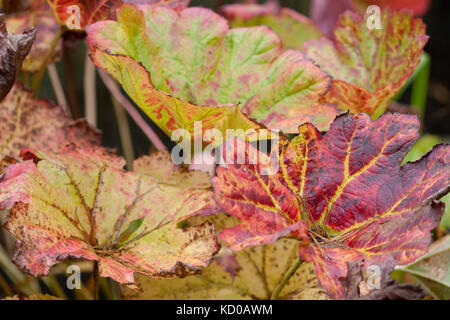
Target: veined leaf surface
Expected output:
[344,193]
[80,204]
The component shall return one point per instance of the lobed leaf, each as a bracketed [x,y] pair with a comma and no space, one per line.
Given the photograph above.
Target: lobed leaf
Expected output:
[369,66]
[325,14]
[80,204]
[13,50]
[170,113]
[26,122]
[293,28]
[195,57]
[344,193]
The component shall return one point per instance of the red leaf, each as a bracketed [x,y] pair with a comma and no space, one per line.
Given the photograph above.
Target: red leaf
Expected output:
[369,67]
[193,56]
[98,10]
[344,194]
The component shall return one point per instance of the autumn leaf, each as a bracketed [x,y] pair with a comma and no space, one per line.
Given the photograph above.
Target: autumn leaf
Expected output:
[422,146]
[170,173]
[343,193]
[293,28]
[177,5]
[76,14]
[38,15]
[194,56]
[91,11]
[432,270]
[252,273]
[26,122]
[169,113]
[369,66]
[14,49]
[325,13]
[77,203]
[418,7]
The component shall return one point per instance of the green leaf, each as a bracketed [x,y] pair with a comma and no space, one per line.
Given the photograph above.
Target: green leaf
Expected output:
[432,270]
[193,56]
[293,28]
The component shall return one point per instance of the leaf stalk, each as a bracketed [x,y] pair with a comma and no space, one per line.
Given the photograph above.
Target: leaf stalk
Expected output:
[287,276]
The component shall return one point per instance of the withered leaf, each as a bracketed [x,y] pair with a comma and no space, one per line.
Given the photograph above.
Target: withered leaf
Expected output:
[13,50]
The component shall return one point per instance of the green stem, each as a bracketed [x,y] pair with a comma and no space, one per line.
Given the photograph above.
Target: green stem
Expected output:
[52,283]
[5,286]
[37,80]
[420,86]
[287,276]
[107,289]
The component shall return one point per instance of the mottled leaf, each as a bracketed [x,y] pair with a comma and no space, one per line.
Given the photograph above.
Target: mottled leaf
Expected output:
[252,273]
[78,204]
[293,28]
[195,57]
[326,13]
[38,15]
[13,50]
[26,122]
[177,5]
[168,112]
[417,7]
[88,11]
[344,193]
[432,270]
[170,173]
[98,10]
[369,66]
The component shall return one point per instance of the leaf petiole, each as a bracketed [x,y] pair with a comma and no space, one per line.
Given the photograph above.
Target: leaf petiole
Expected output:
[37,79]
[287,276]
